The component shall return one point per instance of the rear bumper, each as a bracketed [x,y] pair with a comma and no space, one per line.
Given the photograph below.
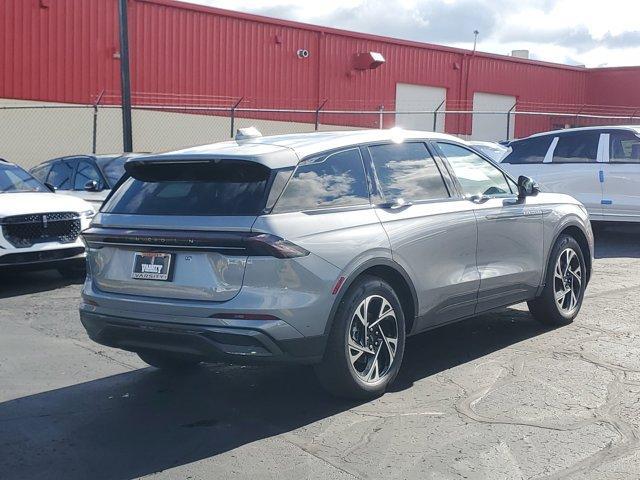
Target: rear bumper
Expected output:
[209,343]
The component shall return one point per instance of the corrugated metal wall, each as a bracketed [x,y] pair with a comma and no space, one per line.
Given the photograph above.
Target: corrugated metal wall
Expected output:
[67,51]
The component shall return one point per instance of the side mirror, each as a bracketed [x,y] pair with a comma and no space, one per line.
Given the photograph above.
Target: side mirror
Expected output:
[92,186]
[527,187]
[50,187]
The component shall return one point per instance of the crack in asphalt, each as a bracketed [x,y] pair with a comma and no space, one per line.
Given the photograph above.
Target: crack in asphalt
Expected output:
[629,436]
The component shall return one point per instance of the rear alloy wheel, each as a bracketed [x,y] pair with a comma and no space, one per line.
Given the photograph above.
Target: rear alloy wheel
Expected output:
[565,284]
[366,344]
[373,338]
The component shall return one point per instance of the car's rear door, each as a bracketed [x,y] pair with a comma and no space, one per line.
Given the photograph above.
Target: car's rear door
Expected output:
[510,230]
[432,230]
[621,185]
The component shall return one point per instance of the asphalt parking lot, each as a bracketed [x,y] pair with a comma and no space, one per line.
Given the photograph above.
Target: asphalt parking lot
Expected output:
[496,397]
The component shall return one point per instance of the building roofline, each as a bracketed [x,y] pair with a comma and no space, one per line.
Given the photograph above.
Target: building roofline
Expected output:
[358,35]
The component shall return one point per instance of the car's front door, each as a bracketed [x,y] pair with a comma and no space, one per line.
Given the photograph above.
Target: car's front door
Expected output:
[61,174]
[510,230]
[576,169]
[621,178]
[432,230]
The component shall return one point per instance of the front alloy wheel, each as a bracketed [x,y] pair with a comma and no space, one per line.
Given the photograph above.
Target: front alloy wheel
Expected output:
[565,283]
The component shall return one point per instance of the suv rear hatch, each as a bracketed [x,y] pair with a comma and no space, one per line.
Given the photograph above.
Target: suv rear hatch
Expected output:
[182,229]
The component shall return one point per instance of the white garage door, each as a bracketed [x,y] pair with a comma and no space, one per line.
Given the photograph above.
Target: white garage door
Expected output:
[492,127]
[419,98]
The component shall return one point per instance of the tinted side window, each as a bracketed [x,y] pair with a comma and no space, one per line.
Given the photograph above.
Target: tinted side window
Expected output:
[475,174]
[61,174]
[334,180]
[407,171]
[624,147]
[579,147]
[531,150]
[86,172]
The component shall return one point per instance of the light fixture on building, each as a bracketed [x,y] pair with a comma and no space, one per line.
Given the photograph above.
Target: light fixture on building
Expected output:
[368,60]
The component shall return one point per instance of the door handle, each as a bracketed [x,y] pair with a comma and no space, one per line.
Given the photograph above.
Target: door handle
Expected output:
[478,198]
[395,204]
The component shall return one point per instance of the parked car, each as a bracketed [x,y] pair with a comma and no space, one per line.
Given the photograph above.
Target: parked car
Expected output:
[39,229]
[89,177]
[600,166]
[493,150]
[323,248]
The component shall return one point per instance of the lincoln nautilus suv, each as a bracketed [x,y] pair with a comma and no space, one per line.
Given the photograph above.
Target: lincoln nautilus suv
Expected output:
[327,249]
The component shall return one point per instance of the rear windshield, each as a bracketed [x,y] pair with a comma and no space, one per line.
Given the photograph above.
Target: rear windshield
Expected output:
[216,187]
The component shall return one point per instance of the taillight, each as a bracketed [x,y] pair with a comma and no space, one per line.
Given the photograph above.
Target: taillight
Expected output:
[274,246]
[233,243]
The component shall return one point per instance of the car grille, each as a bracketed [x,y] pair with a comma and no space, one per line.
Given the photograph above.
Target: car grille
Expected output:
[23,231]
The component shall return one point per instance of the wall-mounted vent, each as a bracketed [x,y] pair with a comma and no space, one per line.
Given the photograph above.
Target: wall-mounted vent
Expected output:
[368,60]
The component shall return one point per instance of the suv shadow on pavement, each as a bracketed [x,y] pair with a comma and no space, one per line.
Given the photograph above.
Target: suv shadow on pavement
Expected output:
[145,421]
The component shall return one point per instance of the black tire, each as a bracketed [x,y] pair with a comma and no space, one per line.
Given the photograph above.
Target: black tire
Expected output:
[168,361]
[545,308]
[336,373]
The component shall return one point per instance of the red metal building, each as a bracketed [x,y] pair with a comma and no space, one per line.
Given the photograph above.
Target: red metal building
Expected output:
[67,51]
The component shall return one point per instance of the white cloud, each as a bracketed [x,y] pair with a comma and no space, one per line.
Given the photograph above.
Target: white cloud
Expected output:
[589,32]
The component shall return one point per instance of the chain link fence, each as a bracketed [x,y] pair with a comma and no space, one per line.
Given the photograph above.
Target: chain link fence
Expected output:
[31,133]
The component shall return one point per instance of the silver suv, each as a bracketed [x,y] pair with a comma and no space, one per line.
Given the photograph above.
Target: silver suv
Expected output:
[323,248]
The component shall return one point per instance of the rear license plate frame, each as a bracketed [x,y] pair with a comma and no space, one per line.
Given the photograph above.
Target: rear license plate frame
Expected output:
[143,269]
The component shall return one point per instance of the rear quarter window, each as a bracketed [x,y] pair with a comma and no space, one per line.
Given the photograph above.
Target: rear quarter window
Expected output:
[624,147]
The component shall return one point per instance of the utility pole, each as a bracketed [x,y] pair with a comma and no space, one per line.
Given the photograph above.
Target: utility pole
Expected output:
[475,39]
[125,78]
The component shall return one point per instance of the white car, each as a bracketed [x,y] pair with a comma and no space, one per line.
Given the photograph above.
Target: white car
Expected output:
[600,166]
[38,228]
[493,150]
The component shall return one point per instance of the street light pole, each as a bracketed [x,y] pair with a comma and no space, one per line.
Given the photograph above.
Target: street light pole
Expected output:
[125,78]
[475,39]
